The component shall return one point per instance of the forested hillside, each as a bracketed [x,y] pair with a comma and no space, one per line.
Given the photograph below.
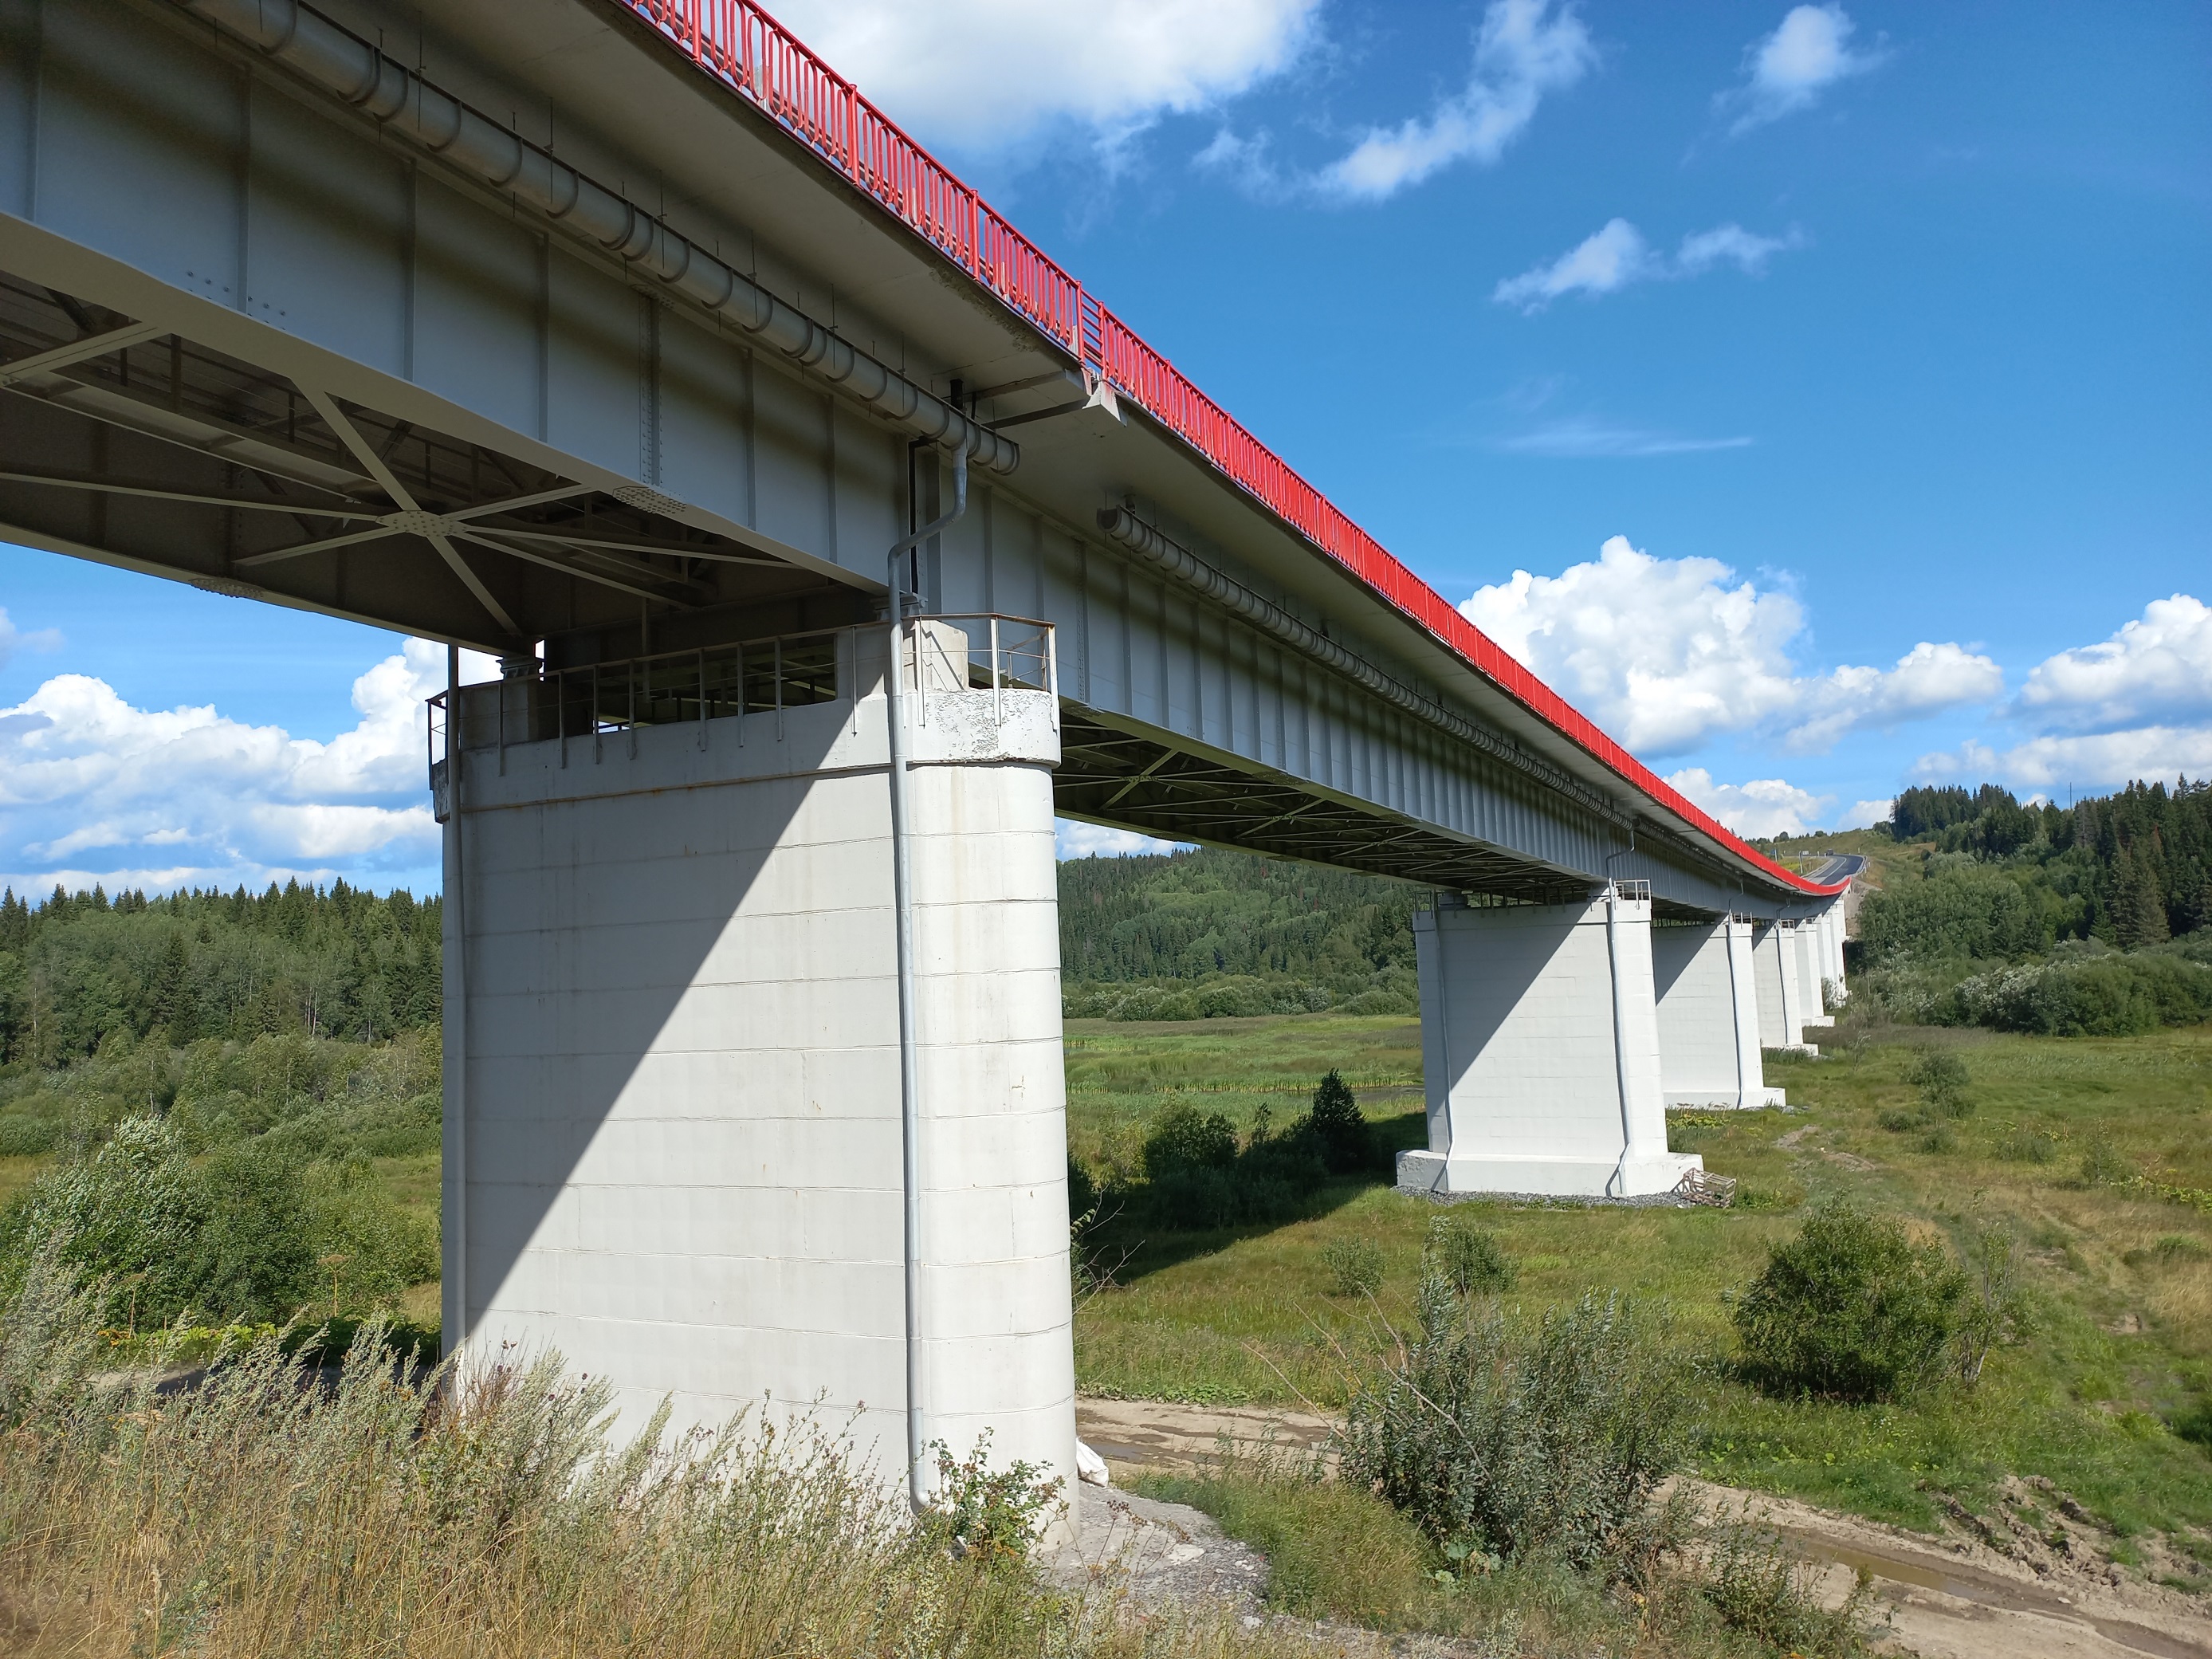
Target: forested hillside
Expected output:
[234,1083]
[1193,935]
[75,969]
[2086,919]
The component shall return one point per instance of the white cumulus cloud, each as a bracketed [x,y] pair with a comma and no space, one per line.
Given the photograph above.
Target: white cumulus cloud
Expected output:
[1927,679]
[1861,814]
[1665,652]
[1617,255]
[2158,667]
[1789,70]
[2137,705]
[988,75]
[1074,839]
[1524,50]
[1764,807]
[94,789]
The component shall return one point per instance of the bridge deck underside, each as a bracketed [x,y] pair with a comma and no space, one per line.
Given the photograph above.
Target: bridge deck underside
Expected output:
[278,356]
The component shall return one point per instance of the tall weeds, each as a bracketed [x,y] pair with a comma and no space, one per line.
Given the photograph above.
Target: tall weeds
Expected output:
[266,1508]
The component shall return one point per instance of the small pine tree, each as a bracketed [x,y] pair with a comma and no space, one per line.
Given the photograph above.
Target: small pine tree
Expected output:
[1336,1123]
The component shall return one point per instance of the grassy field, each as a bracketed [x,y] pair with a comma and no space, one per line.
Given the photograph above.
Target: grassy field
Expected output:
[2119,1278]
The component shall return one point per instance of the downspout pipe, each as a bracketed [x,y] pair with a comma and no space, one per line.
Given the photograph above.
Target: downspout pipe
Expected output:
[402,102]
[903,926]
[1619,1185]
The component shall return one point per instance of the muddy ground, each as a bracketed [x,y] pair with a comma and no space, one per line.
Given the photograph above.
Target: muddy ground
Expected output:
[2035,1584]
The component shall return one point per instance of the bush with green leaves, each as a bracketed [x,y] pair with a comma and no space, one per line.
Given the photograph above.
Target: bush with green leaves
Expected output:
[1511,1439]
[1469,1257]
[1355,1266]
[249,1232]
[991,1514]
[1941,1079]
[1850,1310]
[1199,1177]
[1184,1137]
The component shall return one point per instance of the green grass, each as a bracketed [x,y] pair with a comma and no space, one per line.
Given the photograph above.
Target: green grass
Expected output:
[2121,1344]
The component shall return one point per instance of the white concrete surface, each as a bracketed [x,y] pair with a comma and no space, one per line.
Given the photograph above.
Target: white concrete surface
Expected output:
[1527,1090]
[1708,1049]
[1781,1007]
[1812,969]
[681,1069]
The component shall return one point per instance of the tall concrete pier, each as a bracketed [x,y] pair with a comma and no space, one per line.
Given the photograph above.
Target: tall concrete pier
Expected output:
[674,1142]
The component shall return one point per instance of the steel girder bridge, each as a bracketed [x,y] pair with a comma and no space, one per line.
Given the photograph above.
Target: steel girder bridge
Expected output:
[621,338]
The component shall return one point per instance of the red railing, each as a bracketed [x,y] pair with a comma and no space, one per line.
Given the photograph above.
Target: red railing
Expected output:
[749,50]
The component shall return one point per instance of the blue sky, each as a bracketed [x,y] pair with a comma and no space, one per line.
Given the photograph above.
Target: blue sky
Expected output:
[1834,377]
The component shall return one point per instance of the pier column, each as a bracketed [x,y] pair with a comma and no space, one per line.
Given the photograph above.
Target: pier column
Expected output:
[1781,1003]
[1709,1050]
[680,1049]
[1539,1044]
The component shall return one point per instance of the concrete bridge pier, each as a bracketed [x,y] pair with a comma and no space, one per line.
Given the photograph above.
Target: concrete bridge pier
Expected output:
[1539,1040]
[1709,1052]
[1812,969]
[675,1149]
[1780,977]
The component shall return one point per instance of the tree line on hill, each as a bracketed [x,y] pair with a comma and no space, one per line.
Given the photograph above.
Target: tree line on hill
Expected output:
[1195,934]
[2090,919]
[75,970]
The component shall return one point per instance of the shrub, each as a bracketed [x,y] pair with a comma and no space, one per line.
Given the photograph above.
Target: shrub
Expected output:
[253,1258]
[1512,1440]
[1469,1257]
[27,1137]
[1183,1138]
[992,1513]
[1941,1079]
[1850,1310]
[2102,1166]
[1338,1127]
[1355,1266]
[1198,1178]
[1773,1595]
[2028,1147]
[1897,1120]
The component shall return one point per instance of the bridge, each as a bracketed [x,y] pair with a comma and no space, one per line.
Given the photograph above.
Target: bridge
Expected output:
[832,538]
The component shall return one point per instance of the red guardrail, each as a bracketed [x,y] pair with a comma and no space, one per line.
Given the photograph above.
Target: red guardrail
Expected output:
[748,50]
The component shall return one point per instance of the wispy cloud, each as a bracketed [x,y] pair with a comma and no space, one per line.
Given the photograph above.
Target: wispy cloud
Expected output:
[13,639]
[1617,255]
[1525,50]
[1789,70]
[1579,438]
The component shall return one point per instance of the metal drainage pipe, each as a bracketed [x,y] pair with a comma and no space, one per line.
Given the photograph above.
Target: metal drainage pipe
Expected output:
[902,927]
[403,102]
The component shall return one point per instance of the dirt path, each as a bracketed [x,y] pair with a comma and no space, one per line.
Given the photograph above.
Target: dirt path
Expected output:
[1977,1590]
